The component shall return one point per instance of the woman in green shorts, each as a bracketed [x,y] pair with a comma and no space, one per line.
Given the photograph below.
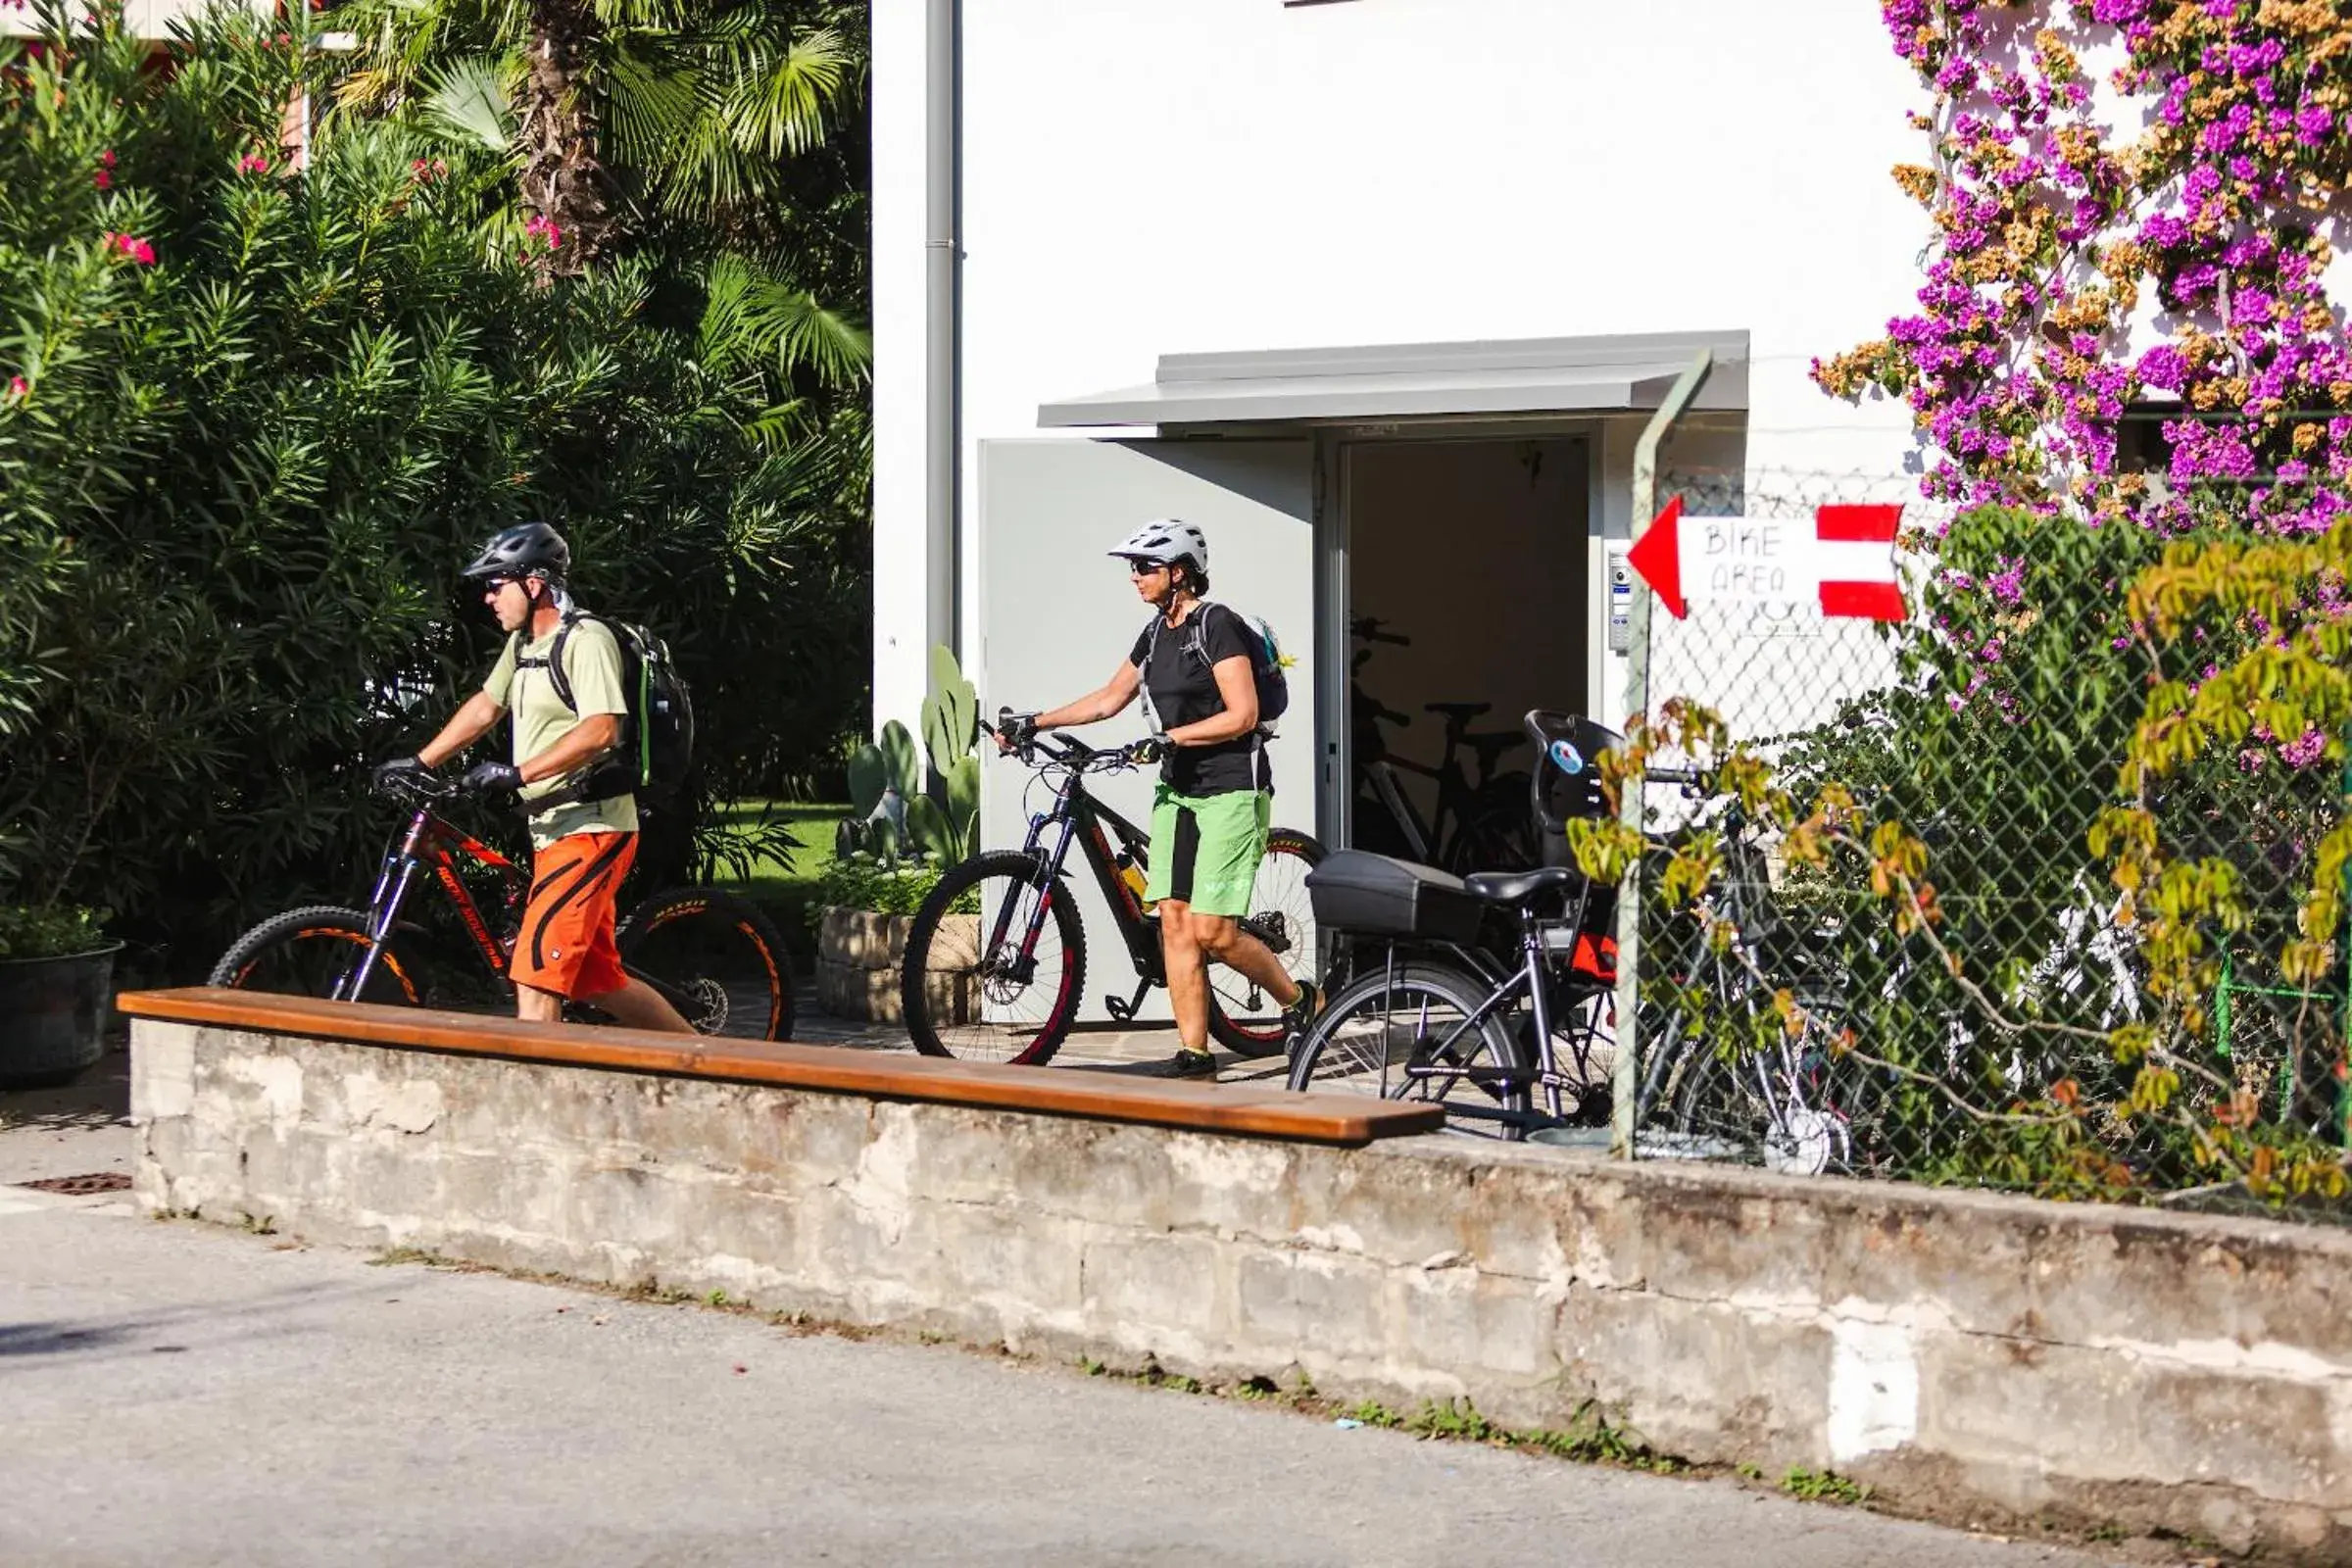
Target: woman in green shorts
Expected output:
[1215,798]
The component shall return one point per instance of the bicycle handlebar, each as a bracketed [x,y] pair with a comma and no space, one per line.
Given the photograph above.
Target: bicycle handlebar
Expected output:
[420,789]
[1061,749]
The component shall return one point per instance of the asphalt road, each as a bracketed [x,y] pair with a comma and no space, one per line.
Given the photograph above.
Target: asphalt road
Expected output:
[175,1393]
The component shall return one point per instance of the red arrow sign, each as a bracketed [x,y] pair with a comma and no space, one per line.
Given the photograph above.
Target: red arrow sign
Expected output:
[1658,557]
[1843,562]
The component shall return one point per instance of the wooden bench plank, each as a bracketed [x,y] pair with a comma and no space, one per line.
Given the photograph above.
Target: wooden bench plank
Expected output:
[1244,1108]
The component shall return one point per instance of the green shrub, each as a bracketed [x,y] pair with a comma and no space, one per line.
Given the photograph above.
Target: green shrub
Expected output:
[862,882]
[52,932]
[253,419]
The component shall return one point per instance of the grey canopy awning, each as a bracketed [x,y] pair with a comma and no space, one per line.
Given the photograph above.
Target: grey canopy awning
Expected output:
[1621,373]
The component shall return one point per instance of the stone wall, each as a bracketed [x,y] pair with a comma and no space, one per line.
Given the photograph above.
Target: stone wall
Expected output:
[1980,1360]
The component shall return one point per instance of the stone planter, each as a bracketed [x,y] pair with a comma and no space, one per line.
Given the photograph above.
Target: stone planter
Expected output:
[859,955]
[52,1015]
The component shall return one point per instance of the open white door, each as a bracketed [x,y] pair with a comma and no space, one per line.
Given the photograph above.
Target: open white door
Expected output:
[1057,614]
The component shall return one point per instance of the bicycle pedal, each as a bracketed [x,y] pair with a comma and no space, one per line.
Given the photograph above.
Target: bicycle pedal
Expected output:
[1119,1007]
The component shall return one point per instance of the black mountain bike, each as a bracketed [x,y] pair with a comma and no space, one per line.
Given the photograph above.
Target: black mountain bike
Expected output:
[996,960]
[713,956]
[1478,824]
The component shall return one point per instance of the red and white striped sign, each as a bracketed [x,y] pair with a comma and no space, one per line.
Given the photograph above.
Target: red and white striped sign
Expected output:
[1841,559]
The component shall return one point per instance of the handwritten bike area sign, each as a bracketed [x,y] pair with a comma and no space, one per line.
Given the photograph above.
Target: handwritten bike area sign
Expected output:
[1838,563]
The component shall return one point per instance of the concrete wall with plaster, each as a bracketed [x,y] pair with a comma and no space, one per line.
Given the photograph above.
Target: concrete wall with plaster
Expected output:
[1981,1359]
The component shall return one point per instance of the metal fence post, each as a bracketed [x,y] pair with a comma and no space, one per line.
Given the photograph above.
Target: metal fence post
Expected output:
[1625,1074]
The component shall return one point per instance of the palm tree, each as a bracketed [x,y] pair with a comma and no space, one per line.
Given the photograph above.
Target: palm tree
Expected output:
[622,114]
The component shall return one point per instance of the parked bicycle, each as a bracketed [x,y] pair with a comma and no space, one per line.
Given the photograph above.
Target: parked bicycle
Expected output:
[1750,1057]
[996,960]
[1478,823]
[1509,1035]
[713,956]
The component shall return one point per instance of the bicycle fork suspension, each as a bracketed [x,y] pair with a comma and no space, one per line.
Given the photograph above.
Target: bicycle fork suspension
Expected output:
[385,909]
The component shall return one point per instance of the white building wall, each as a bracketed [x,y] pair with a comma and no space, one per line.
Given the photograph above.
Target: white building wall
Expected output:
[1142,177]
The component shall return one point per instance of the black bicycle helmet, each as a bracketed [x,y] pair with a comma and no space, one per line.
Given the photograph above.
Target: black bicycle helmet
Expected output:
[521,550]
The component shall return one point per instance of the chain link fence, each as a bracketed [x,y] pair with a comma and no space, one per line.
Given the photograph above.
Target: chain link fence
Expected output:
[1926,911]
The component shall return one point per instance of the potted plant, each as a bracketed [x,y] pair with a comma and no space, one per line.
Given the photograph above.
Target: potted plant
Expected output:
[914,817]
[57,969]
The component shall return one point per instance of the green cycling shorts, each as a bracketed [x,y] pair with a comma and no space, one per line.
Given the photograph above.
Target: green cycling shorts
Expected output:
[1205,849]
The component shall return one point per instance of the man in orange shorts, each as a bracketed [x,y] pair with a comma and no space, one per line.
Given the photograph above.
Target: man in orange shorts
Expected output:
[562,678]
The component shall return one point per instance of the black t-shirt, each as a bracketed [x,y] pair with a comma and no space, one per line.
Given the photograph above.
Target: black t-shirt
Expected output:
[1180,675]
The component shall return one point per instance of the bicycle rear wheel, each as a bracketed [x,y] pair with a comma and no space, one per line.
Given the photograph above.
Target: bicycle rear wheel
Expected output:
[995,964]
[310,952]
[715,957]
[1241,1016]
[1414,1031]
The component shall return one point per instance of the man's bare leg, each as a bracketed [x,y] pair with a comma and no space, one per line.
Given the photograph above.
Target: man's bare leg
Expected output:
[638,1005]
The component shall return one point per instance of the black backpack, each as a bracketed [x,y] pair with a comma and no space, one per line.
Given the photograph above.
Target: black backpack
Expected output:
[656,737]
[1265,656]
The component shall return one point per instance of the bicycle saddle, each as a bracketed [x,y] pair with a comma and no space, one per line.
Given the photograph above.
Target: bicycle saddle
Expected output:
[1517,887]
[1458,711]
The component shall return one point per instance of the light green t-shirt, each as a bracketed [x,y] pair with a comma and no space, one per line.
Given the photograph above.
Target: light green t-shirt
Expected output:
[592,663]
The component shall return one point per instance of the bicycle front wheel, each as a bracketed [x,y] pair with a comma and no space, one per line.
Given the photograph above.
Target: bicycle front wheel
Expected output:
[1416,1031]
[996,962]
[314,952]
[1241,1016]
[715,959]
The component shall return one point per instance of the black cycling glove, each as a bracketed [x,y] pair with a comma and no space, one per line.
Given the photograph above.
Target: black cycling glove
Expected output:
[488,778]
[1150,749]
[387,779]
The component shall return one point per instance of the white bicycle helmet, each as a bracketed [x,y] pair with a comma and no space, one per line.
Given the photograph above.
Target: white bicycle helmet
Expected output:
[1165,539]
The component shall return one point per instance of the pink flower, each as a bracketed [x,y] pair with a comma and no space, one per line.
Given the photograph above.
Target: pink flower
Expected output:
[131,245]
[17,387]
[545,228]
[253,164]
[101,178]
[107,157]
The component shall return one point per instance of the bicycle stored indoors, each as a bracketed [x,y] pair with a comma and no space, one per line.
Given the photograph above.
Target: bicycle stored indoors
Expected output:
[711,956]
[1477,824]
[996,960]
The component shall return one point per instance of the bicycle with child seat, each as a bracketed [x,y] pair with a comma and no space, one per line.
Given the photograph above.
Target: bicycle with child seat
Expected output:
[994,967]
[1475,823]
[711,956]
[1510,1033]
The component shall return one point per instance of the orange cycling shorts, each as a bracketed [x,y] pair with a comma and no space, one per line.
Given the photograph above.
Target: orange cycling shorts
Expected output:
[565,943]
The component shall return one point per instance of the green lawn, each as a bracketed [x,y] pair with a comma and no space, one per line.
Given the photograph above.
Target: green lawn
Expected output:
[781,879]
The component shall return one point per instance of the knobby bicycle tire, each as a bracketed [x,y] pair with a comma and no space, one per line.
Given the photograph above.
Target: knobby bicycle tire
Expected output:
[302,952]
[720,953]
[1252,1035]
[1487,1089]
[981,983]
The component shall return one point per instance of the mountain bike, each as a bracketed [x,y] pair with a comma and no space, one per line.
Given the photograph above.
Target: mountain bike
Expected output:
[713,956]
[1478,824]
[996,958]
